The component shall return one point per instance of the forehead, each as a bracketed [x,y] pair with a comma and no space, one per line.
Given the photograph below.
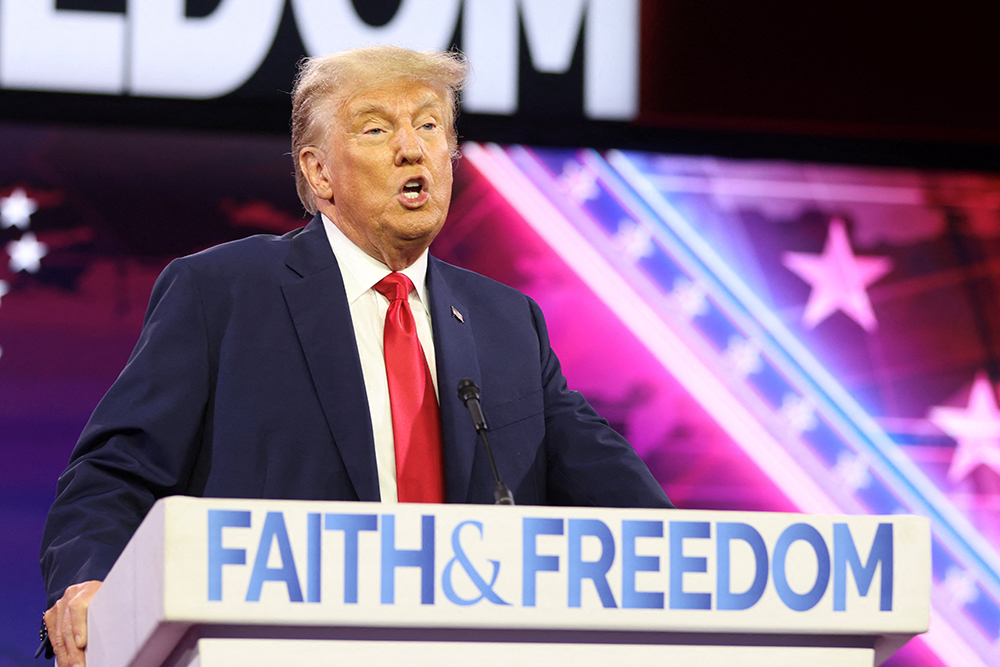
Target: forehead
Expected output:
[395,97]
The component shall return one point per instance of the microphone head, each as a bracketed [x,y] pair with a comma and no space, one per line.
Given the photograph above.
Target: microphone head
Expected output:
[467,389]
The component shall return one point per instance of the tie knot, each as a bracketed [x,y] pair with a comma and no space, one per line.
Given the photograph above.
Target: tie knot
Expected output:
[394,287]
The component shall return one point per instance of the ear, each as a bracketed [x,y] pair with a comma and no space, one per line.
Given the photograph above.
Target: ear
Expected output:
[312,162]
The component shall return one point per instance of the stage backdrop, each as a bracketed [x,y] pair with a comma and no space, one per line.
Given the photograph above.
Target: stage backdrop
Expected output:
[769,336]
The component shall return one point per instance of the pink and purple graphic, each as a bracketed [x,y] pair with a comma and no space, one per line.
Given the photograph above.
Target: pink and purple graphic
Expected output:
[769,335]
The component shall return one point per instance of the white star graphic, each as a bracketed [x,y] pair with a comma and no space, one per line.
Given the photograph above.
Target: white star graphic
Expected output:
[578,182]
[976,429]
[16,209]
[633,240]
[4,289]
[689,298]
[838,279]
[797,413]
[960,586]
[744,356]
[852,471]
[26,253]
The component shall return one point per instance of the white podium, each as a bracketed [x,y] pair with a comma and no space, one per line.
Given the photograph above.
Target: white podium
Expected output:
[217,582]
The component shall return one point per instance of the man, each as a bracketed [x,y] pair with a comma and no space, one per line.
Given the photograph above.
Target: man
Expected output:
[260,371]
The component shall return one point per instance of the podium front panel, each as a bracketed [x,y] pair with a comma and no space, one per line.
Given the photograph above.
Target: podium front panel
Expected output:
[461,568]
[336,653]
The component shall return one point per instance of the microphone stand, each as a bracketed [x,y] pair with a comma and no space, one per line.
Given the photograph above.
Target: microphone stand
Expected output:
[469,393]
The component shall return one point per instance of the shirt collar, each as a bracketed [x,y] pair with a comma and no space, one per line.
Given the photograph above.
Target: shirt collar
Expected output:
[361,271]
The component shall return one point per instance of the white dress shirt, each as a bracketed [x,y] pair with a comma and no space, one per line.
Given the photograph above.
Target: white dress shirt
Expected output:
[361,272]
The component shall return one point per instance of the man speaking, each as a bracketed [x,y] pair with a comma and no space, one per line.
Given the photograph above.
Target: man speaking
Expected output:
[323,364]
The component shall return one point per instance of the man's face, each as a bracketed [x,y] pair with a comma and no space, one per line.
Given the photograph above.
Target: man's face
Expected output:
[389,164]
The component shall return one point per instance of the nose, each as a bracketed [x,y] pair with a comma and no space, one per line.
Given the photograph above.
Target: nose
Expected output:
[409,149]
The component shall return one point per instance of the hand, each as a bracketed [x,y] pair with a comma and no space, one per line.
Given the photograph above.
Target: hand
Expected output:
[67,623]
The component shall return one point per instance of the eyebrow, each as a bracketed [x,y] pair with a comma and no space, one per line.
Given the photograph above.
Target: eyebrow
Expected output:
[380,109]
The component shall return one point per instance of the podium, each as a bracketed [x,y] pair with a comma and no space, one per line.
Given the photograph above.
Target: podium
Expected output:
[219,582]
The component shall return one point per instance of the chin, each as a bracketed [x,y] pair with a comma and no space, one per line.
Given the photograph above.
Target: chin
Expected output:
[417,227]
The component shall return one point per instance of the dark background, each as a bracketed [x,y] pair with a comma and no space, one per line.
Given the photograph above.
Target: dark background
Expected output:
[898,83]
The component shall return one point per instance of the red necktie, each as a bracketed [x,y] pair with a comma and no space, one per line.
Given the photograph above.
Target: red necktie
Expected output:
[416,424]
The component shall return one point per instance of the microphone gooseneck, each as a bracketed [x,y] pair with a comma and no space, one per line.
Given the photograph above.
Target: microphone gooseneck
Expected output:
[468,392]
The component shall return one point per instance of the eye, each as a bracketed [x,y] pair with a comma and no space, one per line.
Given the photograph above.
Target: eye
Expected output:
[374,130]
[429,126]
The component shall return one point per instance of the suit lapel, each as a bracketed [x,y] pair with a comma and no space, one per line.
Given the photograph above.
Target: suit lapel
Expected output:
[456,359]
[318,306]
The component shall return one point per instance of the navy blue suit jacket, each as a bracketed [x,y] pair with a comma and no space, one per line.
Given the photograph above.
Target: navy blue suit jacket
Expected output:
[246,382]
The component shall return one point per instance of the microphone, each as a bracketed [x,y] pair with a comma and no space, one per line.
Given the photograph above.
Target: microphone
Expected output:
[468,392]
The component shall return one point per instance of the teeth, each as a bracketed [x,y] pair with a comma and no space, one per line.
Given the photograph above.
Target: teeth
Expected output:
[412,189]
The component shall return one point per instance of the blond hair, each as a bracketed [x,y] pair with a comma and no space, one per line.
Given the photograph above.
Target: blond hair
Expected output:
[334,76]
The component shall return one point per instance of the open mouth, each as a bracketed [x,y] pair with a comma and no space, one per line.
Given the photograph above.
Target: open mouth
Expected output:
[412,189]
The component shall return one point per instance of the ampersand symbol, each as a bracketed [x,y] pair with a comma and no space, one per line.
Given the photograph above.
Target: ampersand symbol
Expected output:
[485,590]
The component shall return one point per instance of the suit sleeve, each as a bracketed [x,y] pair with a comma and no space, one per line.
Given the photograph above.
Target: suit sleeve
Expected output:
[140,443]
[588,462]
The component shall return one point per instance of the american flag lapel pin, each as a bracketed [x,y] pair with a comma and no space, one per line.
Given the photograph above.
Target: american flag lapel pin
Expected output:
[458,315]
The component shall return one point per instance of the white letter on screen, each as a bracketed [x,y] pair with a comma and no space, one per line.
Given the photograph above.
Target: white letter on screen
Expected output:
[42,48]
[611,60]
[203,57]
[553,30]
[490,32]
[333,25]
[490,40]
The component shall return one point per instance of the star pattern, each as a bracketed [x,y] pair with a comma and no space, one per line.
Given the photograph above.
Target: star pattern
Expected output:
[4,289]
[743,356]
[689,298]
[16,209]
[797,413]
[960,586]
[975,428]
[633,240]
[578,182]
[838,278]
[26,253]
[852,471]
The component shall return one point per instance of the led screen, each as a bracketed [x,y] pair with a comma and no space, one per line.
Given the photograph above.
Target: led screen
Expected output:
[769,335]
